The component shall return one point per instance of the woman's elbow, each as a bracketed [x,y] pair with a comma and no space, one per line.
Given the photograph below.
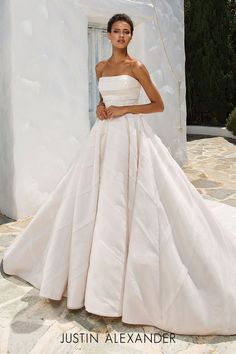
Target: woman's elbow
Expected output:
[160,106]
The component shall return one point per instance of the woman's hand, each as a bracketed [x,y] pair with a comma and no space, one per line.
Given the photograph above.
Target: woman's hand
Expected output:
[116,111]
[112,111]
[101,111]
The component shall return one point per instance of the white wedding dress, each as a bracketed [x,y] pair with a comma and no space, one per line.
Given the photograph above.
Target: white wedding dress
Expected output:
[125,233]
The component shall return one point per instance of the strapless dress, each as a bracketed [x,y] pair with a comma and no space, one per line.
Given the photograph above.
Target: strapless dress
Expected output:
[125,233]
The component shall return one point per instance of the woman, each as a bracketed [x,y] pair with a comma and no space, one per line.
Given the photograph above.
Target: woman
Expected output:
[120,31]
[125,233]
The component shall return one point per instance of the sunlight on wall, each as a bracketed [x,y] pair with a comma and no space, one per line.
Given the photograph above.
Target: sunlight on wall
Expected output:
[47,112]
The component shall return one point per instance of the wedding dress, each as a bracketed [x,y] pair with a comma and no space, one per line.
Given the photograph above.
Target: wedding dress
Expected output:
[125,233]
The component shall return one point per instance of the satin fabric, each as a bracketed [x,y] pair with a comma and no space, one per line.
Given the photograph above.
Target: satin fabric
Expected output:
[125,233]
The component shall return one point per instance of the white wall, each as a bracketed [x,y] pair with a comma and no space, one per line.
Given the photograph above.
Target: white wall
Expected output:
[7,168]
[170,74]
[49,98]
[45,113]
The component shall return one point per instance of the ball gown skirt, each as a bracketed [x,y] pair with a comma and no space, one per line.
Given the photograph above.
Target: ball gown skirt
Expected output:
[125,233]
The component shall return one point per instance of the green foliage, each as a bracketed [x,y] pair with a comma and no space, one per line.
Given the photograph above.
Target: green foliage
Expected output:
[231,121]
[210,60]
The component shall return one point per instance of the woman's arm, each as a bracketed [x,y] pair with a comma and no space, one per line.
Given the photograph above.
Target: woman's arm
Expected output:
[101,109]
[156,105]
[98,69]
[100,101]
[143,108]
[142,75]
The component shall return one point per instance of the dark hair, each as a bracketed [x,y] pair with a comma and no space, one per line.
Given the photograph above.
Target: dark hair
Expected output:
[120,17]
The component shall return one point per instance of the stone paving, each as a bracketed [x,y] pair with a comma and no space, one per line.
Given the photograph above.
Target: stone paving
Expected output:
[30,324]
[211,168]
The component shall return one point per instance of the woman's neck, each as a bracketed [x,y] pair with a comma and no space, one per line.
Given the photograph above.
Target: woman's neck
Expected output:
[118,56]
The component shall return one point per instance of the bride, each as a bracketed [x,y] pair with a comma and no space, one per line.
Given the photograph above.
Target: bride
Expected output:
[120,31]
[125,233]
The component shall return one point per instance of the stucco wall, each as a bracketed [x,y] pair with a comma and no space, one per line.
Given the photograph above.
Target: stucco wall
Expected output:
[44,86]
[7,168]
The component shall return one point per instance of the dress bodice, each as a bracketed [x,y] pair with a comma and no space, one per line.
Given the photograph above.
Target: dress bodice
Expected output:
[119,90]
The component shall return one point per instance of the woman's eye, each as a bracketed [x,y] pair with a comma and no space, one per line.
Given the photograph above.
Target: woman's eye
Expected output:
[115,31]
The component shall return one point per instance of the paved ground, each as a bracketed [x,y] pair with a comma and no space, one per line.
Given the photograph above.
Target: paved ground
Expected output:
[29,324]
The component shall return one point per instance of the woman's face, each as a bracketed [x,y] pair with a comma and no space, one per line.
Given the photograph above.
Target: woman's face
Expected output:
[120,35]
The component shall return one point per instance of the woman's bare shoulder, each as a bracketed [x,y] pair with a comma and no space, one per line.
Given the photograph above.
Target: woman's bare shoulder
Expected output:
[137,65]
[99,67]
[138,69]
